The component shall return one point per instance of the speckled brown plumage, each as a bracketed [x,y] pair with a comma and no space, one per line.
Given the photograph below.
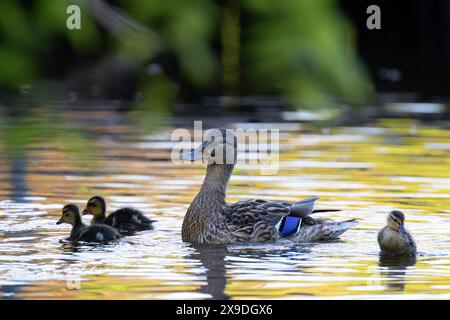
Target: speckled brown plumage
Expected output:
[210,220]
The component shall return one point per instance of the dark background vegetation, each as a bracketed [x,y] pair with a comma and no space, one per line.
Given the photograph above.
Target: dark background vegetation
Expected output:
[411,51]
[317,52]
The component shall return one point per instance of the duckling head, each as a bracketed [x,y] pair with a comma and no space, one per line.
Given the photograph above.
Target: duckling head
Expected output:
[95,206]
[396,220]
[70,215]
[219,147]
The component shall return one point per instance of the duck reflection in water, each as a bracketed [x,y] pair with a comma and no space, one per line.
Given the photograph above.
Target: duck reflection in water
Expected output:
[395,269]
[214,259]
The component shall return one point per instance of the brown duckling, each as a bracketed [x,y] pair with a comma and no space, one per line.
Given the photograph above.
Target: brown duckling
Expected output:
[394,238]
[82,232]
[126,220]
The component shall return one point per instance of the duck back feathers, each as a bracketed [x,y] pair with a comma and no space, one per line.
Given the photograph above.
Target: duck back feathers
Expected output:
[98,233]
[129,220]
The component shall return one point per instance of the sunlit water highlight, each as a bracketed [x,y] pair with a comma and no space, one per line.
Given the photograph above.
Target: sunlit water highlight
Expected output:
[364,171]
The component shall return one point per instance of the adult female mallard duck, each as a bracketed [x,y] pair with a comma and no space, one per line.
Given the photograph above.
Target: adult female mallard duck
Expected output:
[393,238]
[126,220]
[210,220]
[82,232]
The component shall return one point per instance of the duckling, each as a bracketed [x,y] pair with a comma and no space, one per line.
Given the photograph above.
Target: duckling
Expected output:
[82,232]
[394,239]
[209,220]
[126,220]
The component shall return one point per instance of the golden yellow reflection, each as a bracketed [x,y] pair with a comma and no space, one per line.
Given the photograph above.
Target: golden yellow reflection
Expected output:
[363,171]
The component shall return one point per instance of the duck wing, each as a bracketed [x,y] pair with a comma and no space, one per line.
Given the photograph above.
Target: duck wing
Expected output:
[322,230]
[254,220]
[298,209]
[98,233]
[129,220]
[411,244]
[260,220]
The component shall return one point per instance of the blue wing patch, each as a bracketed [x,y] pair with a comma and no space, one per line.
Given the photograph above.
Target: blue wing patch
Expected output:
[289,226]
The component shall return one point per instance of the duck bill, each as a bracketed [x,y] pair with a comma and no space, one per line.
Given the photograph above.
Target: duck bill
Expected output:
[60,221]
[85,212]
[194,155]
[402,229]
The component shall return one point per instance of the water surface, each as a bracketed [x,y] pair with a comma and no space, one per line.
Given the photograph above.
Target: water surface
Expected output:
[363,171]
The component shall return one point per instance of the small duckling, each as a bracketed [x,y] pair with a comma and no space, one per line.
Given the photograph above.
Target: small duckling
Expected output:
[393,238]
[82,232]
[126,220]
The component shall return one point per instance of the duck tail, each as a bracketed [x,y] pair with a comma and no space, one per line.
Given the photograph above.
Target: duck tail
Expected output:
[302,208]
[338,228]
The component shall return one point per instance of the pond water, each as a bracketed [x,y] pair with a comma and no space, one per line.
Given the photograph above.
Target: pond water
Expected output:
[364,171]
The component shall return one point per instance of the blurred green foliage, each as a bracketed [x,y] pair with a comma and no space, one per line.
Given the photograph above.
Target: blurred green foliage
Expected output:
[304,49]
[28,34]
[301,49]
[188,29]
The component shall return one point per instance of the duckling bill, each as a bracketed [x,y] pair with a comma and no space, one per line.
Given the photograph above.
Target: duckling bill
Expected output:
[126,220]
[394,238]
[82,232]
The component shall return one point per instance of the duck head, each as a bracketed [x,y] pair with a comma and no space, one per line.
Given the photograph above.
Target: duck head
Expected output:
[396,221]
[95,206]
[70,215]
[219,147]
